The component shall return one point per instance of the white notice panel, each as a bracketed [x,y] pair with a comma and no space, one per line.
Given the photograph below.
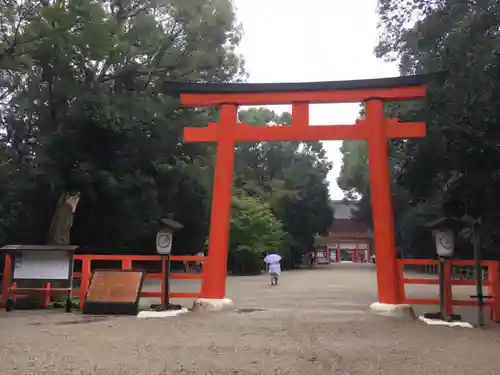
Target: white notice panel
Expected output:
[444,243]
[164,242]
[47,265]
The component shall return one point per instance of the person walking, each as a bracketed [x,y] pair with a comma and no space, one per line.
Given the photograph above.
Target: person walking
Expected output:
[273,262]
[312,259]
[197,264]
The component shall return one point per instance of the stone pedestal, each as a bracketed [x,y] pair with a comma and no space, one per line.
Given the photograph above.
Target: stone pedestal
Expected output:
[208,304]
[395,311]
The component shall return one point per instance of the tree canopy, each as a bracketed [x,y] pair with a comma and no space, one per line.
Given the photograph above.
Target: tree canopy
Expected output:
[85,106]
[453,170]
[291,177]
[255,231]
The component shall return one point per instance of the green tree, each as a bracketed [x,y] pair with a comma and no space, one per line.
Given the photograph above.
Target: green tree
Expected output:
[254,232]
[412,238]
[291,177]
[84,105]
[454,168]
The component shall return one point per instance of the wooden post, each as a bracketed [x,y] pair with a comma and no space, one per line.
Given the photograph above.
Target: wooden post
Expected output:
[46,296]
[479,274]
[126,264]
[494,289]
[7,278]
[85,278]
[447,292]
[214,281]
[383,219]
[401,277]
[13,292]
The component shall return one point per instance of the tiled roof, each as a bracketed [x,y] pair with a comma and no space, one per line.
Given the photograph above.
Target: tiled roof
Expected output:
[349,226]
[343,209]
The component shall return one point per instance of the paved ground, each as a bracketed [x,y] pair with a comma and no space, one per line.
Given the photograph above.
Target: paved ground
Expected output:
[315,322]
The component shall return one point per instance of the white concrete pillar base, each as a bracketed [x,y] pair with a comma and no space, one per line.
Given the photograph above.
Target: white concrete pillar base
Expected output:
[210,304]
[392,310]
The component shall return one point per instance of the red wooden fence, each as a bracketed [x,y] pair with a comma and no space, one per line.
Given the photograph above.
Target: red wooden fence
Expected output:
[126,264]
[126,261]
[492,283]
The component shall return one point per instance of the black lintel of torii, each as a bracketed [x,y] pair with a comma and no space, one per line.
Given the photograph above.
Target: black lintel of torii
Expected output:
[177,88]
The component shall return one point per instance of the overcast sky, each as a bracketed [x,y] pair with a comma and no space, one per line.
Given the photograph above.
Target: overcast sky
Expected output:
[313,40]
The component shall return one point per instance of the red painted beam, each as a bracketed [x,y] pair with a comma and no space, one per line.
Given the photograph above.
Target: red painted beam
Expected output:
[299,133]
[205,134]
[421,281]
[407,130]
[246,133]
[150,294]
[185,276]
[334,96]
[418,261]
[171,294]
[396,129]
[484,263]
[421,301]
[430,301]
[470,303]
[470,282]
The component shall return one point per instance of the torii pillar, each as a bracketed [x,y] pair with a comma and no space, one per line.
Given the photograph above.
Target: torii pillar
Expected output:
[375,128]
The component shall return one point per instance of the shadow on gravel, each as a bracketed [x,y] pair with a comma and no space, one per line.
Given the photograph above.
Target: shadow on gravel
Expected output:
[248,310]
[82,320]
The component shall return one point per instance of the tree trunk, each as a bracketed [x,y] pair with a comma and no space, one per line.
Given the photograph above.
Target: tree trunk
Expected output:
[62,221]
[58,234]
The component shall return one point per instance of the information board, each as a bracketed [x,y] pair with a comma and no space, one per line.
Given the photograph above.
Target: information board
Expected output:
[44,265]
[114,292]
[115,286]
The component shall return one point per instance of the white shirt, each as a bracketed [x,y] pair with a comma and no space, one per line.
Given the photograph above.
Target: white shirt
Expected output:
[275,268]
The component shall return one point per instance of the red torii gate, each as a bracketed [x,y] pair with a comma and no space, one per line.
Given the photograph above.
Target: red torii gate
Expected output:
[376,129]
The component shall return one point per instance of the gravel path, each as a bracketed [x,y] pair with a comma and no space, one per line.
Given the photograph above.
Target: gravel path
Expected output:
[315,322]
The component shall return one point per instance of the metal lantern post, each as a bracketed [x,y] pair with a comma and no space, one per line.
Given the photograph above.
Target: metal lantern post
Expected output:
[444,239]
[164,239]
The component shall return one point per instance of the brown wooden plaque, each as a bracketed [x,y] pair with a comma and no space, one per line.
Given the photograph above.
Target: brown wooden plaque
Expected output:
[114,292]
[114,286]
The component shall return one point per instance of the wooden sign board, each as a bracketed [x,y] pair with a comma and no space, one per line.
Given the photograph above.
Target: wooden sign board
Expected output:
[114,292]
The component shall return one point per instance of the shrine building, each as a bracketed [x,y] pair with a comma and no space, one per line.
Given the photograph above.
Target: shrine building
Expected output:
[349,239]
